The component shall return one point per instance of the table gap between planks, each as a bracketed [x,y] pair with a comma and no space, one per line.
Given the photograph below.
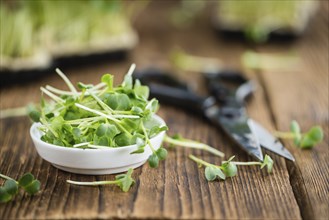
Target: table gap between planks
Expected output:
[178,188]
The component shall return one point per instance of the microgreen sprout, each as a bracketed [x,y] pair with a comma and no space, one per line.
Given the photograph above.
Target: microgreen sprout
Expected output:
[212,172]
[303,140]
[178,140]
[11,187]
[229,167]
[124,181]
[267,162]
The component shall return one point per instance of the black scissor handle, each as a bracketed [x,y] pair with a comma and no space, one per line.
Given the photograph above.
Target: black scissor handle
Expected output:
[171,91]
[229,87]
[156,76]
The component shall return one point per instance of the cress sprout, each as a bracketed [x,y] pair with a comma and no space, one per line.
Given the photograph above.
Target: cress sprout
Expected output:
[11,187]
[229,167]
[267,162]
[124,181]
[178,140]
[303,140]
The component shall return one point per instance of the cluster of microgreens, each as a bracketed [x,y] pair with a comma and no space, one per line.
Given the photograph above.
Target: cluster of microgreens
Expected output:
[229,167]
[100,116]
[11,187]
[103,116]
[303,140]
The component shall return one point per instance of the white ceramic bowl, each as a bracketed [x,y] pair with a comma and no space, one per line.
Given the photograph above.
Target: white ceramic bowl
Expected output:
[93,161]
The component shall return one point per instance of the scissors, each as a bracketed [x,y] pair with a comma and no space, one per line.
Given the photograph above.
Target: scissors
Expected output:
[224,107]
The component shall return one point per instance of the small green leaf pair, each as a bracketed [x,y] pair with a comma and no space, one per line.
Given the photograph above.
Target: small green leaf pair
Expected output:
[305,141]
[213,172]
[124,181]
[157,155]
[229,168]
[11,187]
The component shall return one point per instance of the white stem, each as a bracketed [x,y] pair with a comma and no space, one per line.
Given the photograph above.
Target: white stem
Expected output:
[104,106]
[246,163]
[78,121]
[51,95]
[81,144]
[96,112]
[131,69]
[59,91]
[98,146]
[98,86]
[125,116]
[66,80]
[195,145]
[91,183]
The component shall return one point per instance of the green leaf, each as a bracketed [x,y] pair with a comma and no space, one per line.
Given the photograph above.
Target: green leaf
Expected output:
[123,140]
[212,173]
[108,80]
[101,130]
[161,153]
[127,82]
[316,133]
[57,123]
[83,86]
[138,151]
[136,110]
[153,105]
[11,187]
[4,195]
[76,133]
[26,179]
[101,141]
[125,180]
[153,161]
[140,146]
[312,137]
[230,169]
[118,101]
[156,130]
[33,187]
[131,124]
[29,183]
[295,129]
[141,91]
[307,142]
[268,162]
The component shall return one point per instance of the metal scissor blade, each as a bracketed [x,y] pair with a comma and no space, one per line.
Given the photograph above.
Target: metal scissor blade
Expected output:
[238,129]
[268,141]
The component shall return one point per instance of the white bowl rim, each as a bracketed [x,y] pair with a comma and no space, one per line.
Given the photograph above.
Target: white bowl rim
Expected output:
[34,127]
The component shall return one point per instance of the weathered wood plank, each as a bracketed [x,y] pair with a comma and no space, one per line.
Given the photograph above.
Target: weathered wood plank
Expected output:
[303,95]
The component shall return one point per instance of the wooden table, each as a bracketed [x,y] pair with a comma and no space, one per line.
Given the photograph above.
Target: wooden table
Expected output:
[178,188]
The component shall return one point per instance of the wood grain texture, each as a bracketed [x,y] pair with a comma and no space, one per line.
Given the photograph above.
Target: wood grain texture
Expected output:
[178,188]
[302,95]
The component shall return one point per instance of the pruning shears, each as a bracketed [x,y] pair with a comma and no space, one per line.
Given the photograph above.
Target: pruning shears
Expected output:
[224,106]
